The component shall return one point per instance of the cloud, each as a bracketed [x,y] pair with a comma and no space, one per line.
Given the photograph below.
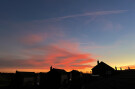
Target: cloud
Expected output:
[12,63]
[94,13]
[33,38]
[62,54]
[97,13]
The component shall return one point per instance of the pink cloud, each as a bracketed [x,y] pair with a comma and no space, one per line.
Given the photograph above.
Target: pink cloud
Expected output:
[55,55]
[65,55]
[33,38]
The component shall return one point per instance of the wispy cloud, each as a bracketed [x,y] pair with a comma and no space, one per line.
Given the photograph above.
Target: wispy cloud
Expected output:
[97,13]
[94,13]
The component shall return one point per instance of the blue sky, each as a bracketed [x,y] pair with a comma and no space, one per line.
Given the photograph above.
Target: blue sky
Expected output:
[73,30]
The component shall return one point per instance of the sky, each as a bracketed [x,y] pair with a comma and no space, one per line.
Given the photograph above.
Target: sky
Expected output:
[66,34]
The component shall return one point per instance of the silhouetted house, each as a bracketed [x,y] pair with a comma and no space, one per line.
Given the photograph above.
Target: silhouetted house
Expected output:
[69,76]
[102,69]
[42,79]
[6,79]
[25,78]
[76,79]
[76,75]
[56,78]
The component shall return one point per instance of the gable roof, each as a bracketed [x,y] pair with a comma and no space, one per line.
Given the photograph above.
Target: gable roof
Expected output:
[75,72]
[102,65]
[61,71]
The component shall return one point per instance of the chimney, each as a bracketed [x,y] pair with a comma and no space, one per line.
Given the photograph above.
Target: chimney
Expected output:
[50,68]
[128,68]
[97,62]
[120,68]
[115,68]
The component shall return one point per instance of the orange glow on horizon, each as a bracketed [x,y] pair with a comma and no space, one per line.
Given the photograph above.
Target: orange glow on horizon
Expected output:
[11,70]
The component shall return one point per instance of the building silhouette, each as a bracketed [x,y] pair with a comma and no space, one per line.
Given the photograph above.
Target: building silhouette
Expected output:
[23,79]
[102,69]
[76,79]
[42,78]
[56,78]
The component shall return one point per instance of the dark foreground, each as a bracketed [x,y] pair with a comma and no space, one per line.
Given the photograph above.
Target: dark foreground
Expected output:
[119,81]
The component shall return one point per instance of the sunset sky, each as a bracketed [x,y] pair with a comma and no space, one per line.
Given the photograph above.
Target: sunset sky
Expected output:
[66,34]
